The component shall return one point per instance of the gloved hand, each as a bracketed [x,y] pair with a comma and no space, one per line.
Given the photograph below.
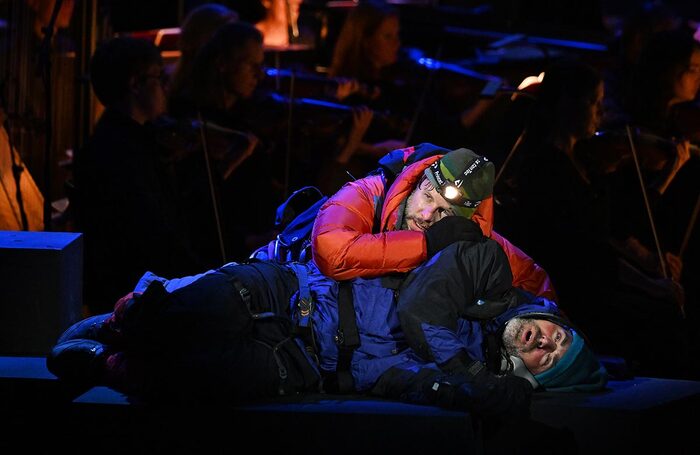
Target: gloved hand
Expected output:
[506,395]
[449,230]
[485,394]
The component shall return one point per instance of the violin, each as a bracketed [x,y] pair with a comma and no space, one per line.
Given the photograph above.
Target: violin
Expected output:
[184,138]
[607,150]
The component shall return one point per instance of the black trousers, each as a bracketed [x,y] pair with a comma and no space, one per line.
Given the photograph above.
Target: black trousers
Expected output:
[227,337]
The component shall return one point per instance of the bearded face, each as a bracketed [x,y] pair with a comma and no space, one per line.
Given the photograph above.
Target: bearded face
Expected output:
[425,207]
[539,343]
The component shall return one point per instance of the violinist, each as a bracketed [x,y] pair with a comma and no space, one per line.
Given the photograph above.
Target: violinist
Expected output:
[216,182]
[365,66]
[667,80]
[124,198]
[366,60]
[663,108]
[554,201]
[563,219]
[666,83]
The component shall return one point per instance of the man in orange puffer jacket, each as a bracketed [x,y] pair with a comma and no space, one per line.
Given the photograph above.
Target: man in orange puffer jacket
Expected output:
[350,239]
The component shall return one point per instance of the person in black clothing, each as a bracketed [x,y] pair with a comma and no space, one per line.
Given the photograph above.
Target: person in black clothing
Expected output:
[219,93]
[662,104]
[124,200]
[566,211]
[547,173]
[366,64]
[554,211]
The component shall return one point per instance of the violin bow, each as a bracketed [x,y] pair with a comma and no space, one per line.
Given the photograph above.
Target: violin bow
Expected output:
[633,150]
[510,155]
[217,218]
[662,260]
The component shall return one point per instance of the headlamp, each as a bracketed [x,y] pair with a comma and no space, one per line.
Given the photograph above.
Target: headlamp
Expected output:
[451,188]
[451,193]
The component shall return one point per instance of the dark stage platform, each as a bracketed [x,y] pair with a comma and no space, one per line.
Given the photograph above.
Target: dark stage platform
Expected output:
[42,415]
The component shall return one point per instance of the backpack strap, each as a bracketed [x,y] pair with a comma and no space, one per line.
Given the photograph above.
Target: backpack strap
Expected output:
[306,303]
[304,310]
[348,339]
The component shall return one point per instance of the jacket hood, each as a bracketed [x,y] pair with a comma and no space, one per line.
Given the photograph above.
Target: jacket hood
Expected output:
[536,308]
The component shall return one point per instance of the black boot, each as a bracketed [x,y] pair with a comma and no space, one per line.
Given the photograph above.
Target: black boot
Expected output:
[78,361]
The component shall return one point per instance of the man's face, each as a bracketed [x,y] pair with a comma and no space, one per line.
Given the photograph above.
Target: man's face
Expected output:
[425,206]
[539,343]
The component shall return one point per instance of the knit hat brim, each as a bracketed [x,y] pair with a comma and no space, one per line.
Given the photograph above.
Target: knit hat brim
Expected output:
[579,370]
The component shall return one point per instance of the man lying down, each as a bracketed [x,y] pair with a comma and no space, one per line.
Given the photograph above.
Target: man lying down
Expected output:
[452,333]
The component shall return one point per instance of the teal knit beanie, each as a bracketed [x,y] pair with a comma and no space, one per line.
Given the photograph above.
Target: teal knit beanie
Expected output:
[577,371]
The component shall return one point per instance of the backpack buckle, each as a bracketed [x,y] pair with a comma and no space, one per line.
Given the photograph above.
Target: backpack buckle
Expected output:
[305,307]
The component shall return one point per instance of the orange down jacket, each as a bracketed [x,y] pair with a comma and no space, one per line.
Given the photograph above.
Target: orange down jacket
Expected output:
[345,247]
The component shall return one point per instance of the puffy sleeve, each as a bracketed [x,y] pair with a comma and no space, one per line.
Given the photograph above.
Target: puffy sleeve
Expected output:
[343,244]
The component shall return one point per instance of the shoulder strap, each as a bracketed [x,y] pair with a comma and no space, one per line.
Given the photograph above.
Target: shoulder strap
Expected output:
[306,303]
[304,309]
[347,338]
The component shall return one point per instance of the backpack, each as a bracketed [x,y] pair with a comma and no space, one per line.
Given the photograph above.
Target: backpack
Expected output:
[295,217]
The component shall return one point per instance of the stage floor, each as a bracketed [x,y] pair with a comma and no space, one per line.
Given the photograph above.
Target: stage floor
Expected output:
[42,415]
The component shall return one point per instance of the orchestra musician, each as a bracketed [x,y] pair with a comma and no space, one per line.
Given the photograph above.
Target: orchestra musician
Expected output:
[225,74]
[661,112]
[125,199]
[564,214]
[364,64]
